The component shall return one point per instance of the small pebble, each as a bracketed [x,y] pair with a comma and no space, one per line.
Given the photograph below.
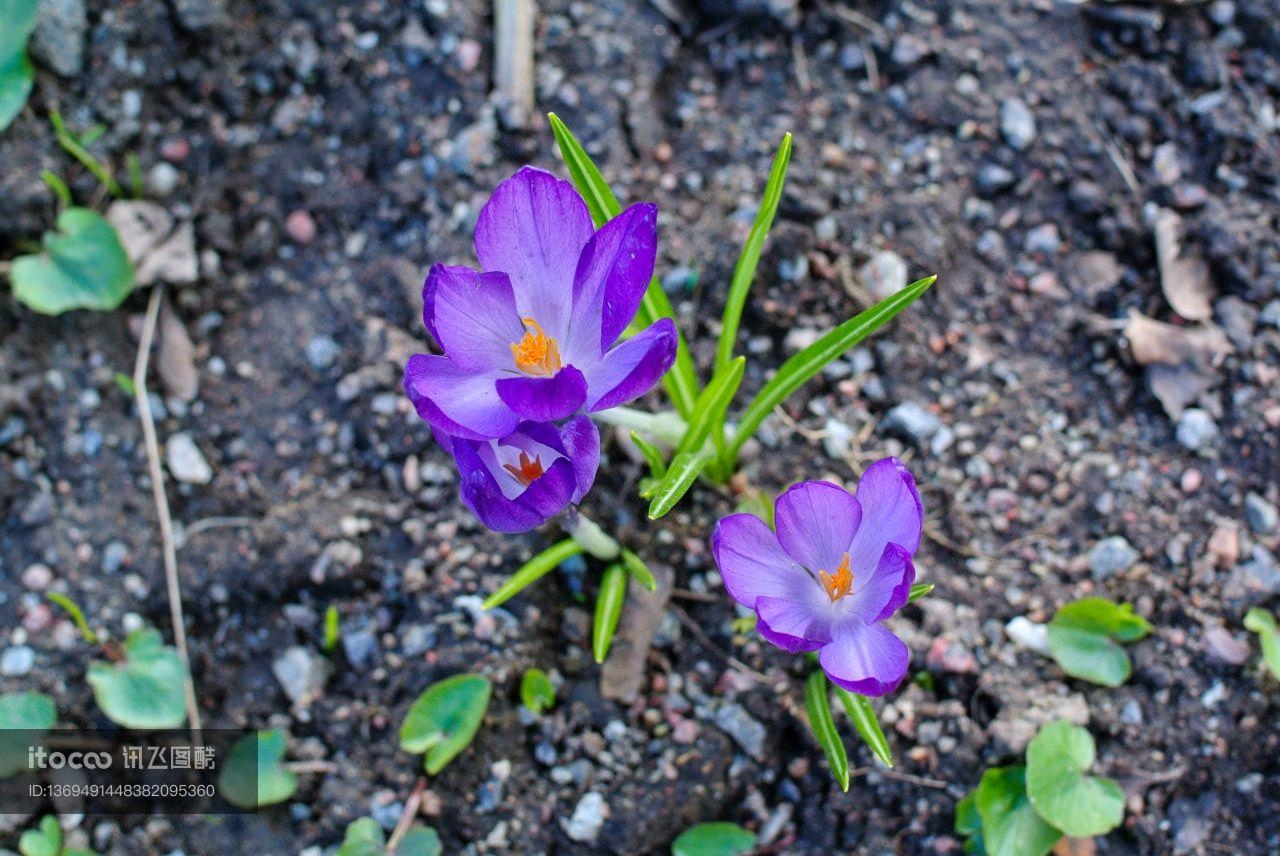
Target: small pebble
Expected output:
[185,460]
[300,227]
[37,577]
[1017,124]
[1111,556]
[17,661]
[1196,429]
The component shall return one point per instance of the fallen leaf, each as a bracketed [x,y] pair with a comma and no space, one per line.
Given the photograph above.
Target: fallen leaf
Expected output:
[1094,274]
[158,250]
[622,674]
[1157,343]
[1184,278]
[176,356]
[1178,386]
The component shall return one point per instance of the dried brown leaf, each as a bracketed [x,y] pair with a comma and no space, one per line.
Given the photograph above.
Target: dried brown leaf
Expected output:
[1184,277]
[158,250]
[175,356]
[1156,343]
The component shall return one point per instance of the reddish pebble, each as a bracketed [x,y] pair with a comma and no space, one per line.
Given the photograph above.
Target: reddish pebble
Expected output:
[1191,480]
[467,55]
[300,227]
[175,151]
[950,656]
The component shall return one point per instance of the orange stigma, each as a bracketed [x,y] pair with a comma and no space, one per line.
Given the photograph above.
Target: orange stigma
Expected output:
[529,470]
[840,583]
[537,353]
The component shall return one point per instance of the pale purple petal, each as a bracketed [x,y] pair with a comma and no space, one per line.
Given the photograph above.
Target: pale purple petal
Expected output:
[581,441]
[753,564]
[611,278]
[816,521]
[796,625]
[534,228]
[864,658]
[891,513]
[544,498]
[631,368]
[544,399]
[888,588]
[455,401]
[473,316]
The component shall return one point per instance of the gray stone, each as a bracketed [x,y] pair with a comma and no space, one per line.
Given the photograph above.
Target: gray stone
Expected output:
[745,730]
[1111,556]
[163,179]
[301,673]
[360,646]
[417,639]
[993,178]
[200,15]
[1259,575]
[322,351]
[588,816]
[1017,124]
[186,461]
[1263,517]
[17,661]
[1044,239]
[908,49]
[58,41]
[1196,429]
[885,275]
[114,556]
[911,421]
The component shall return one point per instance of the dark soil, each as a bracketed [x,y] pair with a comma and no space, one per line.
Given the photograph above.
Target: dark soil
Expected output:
[374,120]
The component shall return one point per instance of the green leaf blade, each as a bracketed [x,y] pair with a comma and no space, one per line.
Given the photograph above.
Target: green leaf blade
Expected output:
[534,570]
[536,691]
[83,266]
[254,774]
[1263,623]
[445,718]
[918,591]
[652,456]
[1078,804]
[866,723]
[613,594]
[818,706]
[638,570]
[680,476]
[146,689]
[1083,639]
[709,413]
[17,22]
[713,839]
[1010,824]
[24,718]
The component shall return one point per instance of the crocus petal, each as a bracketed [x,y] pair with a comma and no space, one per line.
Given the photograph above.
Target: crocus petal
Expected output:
[457,402]
[864,658]
[473,316]
[816,521]
[753,564]
[581,441]
[891,513]
[611,278]
[533,228]
[631,368]
[887,590]
[545,399]
[544,498]
[796,625]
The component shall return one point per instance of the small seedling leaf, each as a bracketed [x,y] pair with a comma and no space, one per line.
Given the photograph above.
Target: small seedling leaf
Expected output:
[1264,624]
[713,839]
[534,570]
[31,714]
[77,616]
[675,484]
[1081,805]
[636,568]
[867,724]
[83,266]
[145,690]
[1084,639]
[445,718]
[254,773]
[613,594]
[818,706]
[332,629]
[1010,825]
[44,841]
[536,691]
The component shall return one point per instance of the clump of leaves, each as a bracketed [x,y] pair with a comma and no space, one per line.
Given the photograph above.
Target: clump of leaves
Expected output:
[46,840]
[24,718]
[254,774]
[1085,638]
[83,266]
[17,21]
[144,689]
[365,838]
[1264,624]
[445,719]
[713,839]
[536,691]
[1024,810]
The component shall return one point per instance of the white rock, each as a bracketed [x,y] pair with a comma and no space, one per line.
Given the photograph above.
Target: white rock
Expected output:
[1028,634]
[186,461]
[588,817]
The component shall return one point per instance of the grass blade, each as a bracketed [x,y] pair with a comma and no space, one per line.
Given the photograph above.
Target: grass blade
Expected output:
[867,723]
[652,455]
[745,270]
[637,568]
[613,593]
[797,371]
[682,381]
[676,483]
[708,413]
[918,591]
[77,615]
[534,570]
[824,727]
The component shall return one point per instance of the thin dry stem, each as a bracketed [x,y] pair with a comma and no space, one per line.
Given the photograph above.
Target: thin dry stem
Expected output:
[407,816]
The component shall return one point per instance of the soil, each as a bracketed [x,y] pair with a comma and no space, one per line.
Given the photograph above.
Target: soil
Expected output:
[373,124]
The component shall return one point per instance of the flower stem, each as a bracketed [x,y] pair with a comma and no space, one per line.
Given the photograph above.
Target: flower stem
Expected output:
[589,536]
[666,427]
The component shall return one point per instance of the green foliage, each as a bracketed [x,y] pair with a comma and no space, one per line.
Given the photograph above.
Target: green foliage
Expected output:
[46,840]
[1264,624]
[83,266]
[918,591]
[145,689]
[332,629]
[638,570]
[713,839]
[613,594]
[709,412]
[1085,637]
[365,838]
[797,370]
[680,476]
[866,723]
[17,21]
[77,615]
[969,824]
[29,712]
[445,718]
[537,692]
[652,456]
[1010,825]
[125,384]
[818,706]
[682,381]
[254,774]
[534,570]
[77,146]
[1078,804]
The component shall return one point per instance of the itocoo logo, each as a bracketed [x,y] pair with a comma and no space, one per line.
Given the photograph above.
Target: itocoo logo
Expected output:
[39,758]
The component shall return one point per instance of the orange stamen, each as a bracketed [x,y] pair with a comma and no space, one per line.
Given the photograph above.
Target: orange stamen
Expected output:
[537,353]
[527,471]
[840,583]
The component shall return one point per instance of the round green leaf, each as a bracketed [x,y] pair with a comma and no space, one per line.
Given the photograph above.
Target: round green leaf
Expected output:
[1084,639]
[1010,825]
[254,774]
[713,839]
[30,714]
[17,21]
[1080,805]
[445,718]
[364,838]
[83,266]
[536,691]
[145,690]
[45,841]
[420,841]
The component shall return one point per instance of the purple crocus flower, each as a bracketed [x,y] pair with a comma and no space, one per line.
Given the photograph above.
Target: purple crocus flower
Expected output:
[838,565]
[519,481]
[533,336]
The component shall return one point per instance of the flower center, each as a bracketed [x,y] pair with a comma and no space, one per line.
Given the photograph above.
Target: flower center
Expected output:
[840,583]
[537,353]
[527,471]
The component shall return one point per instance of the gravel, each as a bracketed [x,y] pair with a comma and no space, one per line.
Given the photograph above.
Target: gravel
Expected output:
[17,661]
[588,816]
[1263,517]
[58,41]
[1017,124]
[301,673]
[1196,429]
[185,460]
[911,421]
[1111,556]
[746,731]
